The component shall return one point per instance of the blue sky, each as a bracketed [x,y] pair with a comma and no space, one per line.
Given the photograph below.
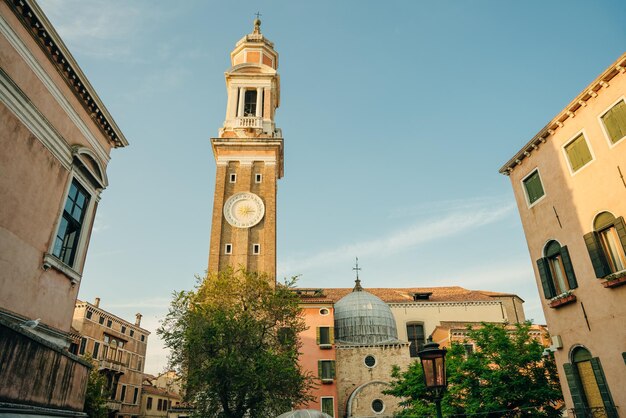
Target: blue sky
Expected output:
[396,118]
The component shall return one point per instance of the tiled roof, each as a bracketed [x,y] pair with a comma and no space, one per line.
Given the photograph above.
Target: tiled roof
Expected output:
[151,390]
[399,295]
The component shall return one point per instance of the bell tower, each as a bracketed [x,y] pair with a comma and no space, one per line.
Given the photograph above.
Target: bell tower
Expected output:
[249,156]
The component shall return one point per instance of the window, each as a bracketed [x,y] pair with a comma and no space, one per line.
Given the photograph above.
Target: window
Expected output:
[96,348]
[249,104]
[257,179]
[149,403]
[326,370]
[143,338]
[135,395]
[378,406]
[88,314]
[533,187]
[328,406]
[370,361]
[415,335]
[325,337]
[139,365]
[160,405]
[228,249]
[256,249]
[588,386]
[324,311]
[123,393]
[615,122]
[109,323]
[233,177]
[106,338]
[606,244]
[469,349]
[66,241]
[556,271]
[132,332]
[578,153]
[123,329]
[83,345]
[101,320]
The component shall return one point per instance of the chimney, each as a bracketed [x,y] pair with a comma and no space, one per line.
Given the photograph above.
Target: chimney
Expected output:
[138,319]
[96,302]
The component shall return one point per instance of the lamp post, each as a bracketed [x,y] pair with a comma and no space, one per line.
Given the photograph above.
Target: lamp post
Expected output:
[433,361]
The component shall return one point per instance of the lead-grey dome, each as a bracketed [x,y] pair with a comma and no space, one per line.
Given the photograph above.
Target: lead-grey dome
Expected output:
[362,318]
[304,413]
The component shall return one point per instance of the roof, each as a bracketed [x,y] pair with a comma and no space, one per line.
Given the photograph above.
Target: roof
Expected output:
[40,28]
[589,93]
[404,294]
[151,390]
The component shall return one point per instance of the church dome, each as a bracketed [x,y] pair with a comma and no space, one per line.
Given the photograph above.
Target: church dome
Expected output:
[362,318]
[304,413]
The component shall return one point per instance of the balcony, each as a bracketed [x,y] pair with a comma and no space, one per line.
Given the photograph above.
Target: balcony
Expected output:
[249,122]
[117,366]
[113,405]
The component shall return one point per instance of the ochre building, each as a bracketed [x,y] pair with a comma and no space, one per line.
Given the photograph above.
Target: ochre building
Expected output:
[569,183]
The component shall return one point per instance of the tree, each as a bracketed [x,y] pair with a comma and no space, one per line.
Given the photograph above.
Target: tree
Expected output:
[506,376]
[96,394]
[234,341]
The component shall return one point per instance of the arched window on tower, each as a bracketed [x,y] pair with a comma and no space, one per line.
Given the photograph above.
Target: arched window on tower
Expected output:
[588,386]
[249,105]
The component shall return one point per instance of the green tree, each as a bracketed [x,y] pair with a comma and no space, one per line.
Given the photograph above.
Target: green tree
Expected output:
[234,341]
[96,394]
[506,376]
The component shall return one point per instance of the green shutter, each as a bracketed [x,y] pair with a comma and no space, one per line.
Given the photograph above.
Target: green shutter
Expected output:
[569,269]
[317,335]
[546,279]
[331,332]
[571,374]
[332,369]
[615,122]
[620,227]
[607,400]
[578,152]
[319,368]
[533,186]
[598,259]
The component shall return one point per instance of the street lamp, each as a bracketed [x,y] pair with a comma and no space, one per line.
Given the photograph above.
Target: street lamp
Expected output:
[433,361]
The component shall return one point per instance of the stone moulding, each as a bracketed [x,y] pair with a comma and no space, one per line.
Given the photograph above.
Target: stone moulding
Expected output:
[565,300]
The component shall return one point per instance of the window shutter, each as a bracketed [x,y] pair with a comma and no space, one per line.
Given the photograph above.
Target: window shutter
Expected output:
[598,260]
[332,369]
[569,269]
[615,121]
[607,400]
[571,374]
[331,333]
[317,335]
[546,279]
[620,227]
[319,368]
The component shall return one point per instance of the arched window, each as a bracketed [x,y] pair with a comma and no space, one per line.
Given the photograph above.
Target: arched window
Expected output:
[607,244]
[588,386]
[556,270]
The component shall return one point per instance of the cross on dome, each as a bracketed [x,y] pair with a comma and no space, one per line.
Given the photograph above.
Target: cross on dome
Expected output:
[357,286]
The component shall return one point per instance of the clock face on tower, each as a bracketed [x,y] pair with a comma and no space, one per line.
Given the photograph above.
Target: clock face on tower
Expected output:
[244,210]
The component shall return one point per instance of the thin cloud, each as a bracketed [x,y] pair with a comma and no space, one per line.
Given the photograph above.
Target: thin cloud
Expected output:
[156,302]
[461,218]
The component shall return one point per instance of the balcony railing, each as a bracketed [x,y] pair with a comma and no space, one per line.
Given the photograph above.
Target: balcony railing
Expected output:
[113,365]
[249,122]
[598,412]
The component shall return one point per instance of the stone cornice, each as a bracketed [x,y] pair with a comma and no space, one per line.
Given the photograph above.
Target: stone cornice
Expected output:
[35,21]
[592,91]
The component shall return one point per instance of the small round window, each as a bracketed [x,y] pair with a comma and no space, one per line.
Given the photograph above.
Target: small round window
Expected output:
[324,311]
[378,406]
[370,361]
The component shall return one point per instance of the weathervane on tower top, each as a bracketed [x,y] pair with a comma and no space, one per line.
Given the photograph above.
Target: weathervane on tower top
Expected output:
[357,286]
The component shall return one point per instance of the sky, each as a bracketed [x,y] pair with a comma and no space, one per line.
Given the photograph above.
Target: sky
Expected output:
[396,118]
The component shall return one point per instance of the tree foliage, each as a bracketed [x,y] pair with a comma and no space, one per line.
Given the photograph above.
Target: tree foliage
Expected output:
[506,376]
[234,341]
[96,394]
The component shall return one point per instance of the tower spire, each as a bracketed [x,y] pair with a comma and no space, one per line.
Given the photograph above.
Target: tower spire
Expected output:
[357,286]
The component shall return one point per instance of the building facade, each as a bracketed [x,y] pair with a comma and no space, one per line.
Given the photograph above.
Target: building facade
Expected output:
[56,138]
[570,190]
[249,157]
[119,347]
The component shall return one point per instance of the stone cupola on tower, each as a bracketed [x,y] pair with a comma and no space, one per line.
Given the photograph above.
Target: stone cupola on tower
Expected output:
[249,156]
